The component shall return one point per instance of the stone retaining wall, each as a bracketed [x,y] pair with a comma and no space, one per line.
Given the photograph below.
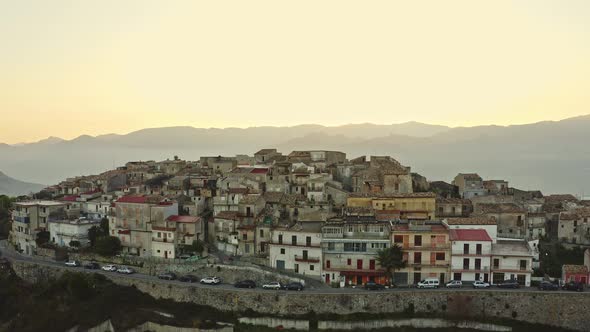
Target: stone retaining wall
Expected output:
[566,310]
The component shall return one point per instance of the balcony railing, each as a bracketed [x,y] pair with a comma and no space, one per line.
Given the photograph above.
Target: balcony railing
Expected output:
[309,259]
[24,220]
[162,239]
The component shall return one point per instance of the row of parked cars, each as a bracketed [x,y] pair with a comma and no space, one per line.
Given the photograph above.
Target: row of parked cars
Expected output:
[96,266]
[435,283]
[240,284]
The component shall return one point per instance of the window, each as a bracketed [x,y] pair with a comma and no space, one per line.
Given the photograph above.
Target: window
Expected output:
[456,276]
[262,233]
[398,238]
[294,240]
[478,248]
[282,251]
[418,240]
[372,264]
[159,235]
[466,249]
[331,246]
[440,256]
[496,263]
[327,264]
[311,267]
[308,241]
[349,261]
[465,263]
[397,187]
[477,264]
[280,238]
[245,236]
[523,264]
[417,258]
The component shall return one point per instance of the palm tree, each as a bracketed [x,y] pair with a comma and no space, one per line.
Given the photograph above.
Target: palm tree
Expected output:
[391,259]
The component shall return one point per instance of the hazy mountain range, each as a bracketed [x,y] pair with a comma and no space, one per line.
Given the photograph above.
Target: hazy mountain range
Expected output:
[552,156]
[13,187]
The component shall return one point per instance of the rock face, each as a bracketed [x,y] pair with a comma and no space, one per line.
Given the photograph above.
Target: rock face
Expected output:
[564,310]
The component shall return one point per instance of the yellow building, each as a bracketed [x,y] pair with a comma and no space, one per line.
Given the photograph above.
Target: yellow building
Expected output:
[416,206]
[426,250]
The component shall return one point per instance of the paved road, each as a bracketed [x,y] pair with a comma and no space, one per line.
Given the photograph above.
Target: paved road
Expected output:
[15,256]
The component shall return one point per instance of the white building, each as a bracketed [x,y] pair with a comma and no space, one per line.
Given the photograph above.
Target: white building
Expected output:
[29,218]
[471,251]
[512,259]
[297,248]
[479,222]
[62,232]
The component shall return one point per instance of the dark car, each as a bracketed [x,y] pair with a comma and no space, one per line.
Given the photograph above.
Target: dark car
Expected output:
[371,285]
[548,285]
[188,278]
[294,286]
[167,276]
[574,286]
[245,284]
[509,284]
[92,266]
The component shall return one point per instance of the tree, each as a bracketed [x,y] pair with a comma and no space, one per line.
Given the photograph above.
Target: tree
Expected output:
[42,238]
[93,234]
[197,246]
[104,226]
[75,244]
[107,246]
[391,259]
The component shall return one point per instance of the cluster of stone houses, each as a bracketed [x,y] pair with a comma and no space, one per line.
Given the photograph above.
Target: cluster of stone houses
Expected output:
[311,212]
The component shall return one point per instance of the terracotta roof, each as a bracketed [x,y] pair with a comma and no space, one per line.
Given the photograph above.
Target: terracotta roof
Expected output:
[400,195]
[71,198]
[259,171]
[575,269]
[183,219]
[162,228]
[575,214]
[250,199]
[143,199]
[479,220]
[233,215]
[273,197]
[500,208]
[469,235]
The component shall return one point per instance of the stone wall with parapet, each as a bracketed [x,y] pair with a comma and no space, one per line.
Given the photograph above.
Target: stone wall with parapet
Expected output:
[565,310]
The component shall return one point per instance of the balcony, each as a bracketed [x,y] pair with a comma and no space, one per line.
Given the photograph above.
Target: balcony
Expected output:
[162,239]
[24,220]
[481,269]
[308,259]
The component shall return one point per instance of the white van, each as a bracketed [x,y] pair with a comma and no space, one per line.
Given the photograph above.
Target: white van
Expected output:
[429,283]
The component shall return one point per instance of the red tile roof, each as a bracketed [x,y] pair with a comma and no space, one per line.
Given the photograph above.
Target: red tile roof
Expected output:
[71,198]
[185,219]
[259,171]
[132,199]
[469,235]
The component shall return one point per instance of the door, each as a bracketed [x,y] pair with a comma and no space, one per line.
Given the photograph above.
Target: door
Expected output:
[305,254]
[297,268]
[372,264]
[165,253]
[485,277]
[359,264]
[417,277]
[327,278]
[441,278]
[280,265]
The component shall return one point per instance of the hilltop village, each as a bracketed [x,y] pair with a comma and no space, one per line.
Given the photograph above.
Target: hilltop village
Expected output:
[313,213]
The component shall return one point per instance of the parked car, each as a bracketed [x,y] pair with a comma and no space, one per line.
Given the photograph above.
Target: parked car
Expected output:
[428,283]
[167,276]
[92,266]
[294,286]
[110,268]
[245,284]
[125,270]
[574,286]
[273,285]
[73,263]
[454,284]
[371,285]
[509,284]
[211,280]
[188,278]
[480,284]
[548,285]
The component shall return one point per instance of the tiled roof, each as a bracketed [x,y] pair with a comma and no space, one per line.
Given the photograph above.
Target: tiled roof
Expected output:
[266,151]
[142,199]
[560,198]
[469,235]
[575,214]
[400,195]
[71,198]
[500,208]
[238,190]
[233,215]
[259,171]
[575,269]
[183,219]
[273,197]
[478,220]
[250,199]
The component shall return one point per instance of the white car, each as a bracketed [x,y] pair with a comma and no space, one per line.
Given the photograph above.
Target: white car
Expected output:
[73,263]
[454,284]
[211,280]
[428,283]
[125,270]
[273,285]
[110,268]
[480,284]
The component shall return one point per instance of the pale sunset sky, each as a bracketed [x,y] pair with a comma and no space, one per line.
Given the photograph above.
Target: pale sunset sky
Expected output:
[76,67]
